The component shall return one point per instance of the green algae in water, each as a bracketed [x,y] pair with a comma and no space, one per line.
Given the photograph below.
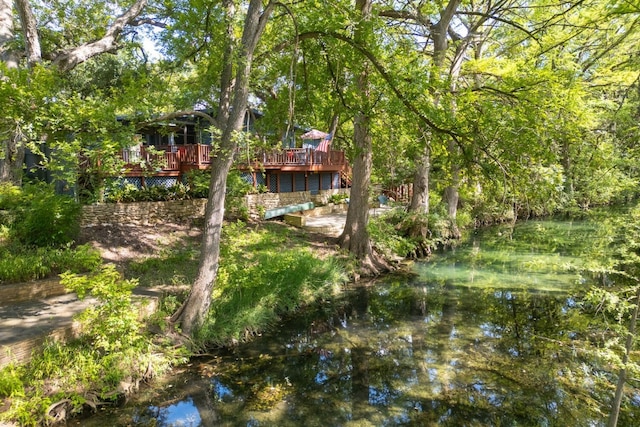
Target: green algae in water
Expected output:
[488,334]
[542,256]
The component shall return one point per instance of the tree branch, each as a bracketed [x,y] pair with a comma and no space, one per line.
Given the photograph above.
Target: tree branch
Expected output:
[69,59]
[389,79]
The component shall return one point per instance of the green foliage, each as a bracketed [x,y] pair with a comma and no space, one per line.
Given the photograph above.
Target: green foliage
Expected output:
[39,227]
[77,376]
[199,182]
[112,324]
[37,216]
[10,381]
[197,187]
[265,274]
[237,188]
[118,193]
[386,235]
[112,351]
[21,265]
[338,198]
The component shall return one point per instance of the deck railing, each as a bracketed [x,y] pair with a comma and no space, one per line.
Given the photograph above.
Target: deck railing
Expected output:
[167,157]
[174,157]
[299,157]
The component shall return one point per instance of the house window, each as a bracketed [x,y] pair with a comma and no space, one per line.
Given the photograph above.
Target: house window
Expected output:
[286,182]
[301,183]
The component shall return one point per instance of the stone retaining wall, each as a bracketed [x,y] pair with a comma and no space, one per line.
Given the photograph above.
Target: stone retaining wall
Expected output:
[144,213]
[28,291]
[186,211]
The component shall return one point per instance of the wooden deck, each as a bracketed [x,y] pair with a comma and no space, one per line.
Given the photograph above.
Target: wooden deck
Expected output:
[166,160]
[177,159]
[297,159]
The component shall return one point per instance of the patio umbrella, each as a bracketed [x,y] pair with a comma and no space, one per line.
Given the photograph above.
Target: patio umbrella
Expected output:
[314,134]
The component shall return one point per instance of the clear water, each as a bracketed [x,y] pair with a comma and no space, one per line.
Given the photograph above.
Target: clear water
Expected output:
[487,334]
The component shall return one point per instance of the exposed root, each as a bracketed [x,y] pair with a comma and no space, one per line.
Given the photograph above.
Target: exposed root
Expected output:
[374,264]
[59,411]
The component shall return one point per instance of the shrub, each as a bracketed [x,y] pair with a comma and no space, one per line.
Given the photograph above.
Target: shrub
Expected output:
[88,371]
[43,218]
[199,181]
[338,198]
[387,236]
[21,265]
[113,323]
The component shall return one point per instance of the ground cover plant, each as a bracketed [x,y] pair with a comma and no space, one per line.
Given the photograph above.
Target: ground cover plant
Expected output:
[38,229]
[268,271]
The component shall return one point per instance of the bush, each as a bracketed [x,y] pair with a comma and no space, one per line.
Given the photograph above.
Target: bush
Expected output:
[127,193]
[112,324]
[199,181]
[21,265]
[387,235]
[40,217]
[88,371]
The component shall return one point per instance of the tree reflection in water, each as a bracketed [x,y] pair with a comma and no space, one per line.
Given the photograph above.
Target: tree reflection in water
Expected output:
[487,335]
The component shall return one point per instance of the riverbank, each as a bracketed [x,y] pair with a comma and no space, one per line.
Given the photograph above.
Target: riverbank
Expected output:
[269,270]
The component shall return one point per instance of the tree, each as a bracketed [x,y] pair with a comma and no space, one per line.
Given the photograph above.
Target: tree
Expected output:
[355,236]
[61,59]
[235,80]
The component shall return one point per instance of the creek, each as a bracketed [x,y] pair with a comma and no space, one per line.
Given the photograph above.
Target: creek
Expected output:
[490,333]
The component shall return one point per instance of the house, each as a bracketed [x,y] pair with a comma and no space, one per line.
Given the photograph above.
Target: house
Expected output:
[312,167]
[163,154]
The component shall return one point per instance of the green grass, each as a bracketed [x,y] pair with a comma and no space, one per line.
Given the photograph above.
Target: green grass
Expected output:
[265,273]
[19,264]
[175,266]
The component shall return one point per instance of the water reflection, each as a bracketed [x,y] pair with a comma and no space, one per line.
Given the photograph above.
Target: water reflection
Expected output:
[481,336]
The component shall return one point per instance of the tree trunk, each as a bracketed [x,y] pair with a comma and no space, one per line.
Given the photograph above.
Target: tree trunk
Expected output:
[196,306]
[622,377]
[11,153]
[7,34]
[194,310]
[355,237]
[419,225]
[420,199]
[30,32]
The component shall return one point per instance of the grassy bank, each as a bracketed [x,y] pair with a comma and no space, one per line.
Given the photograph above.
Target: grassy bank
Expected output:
[266,272]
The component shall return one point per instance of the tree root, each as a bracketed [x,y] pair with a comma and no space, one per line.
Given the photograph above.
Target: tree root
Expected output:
[373,265]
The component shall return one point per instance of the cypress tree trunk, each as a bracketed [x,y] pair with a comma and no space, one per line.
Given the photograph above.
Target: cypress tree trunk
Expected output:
[622,377]
[355,237]
[194,310]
